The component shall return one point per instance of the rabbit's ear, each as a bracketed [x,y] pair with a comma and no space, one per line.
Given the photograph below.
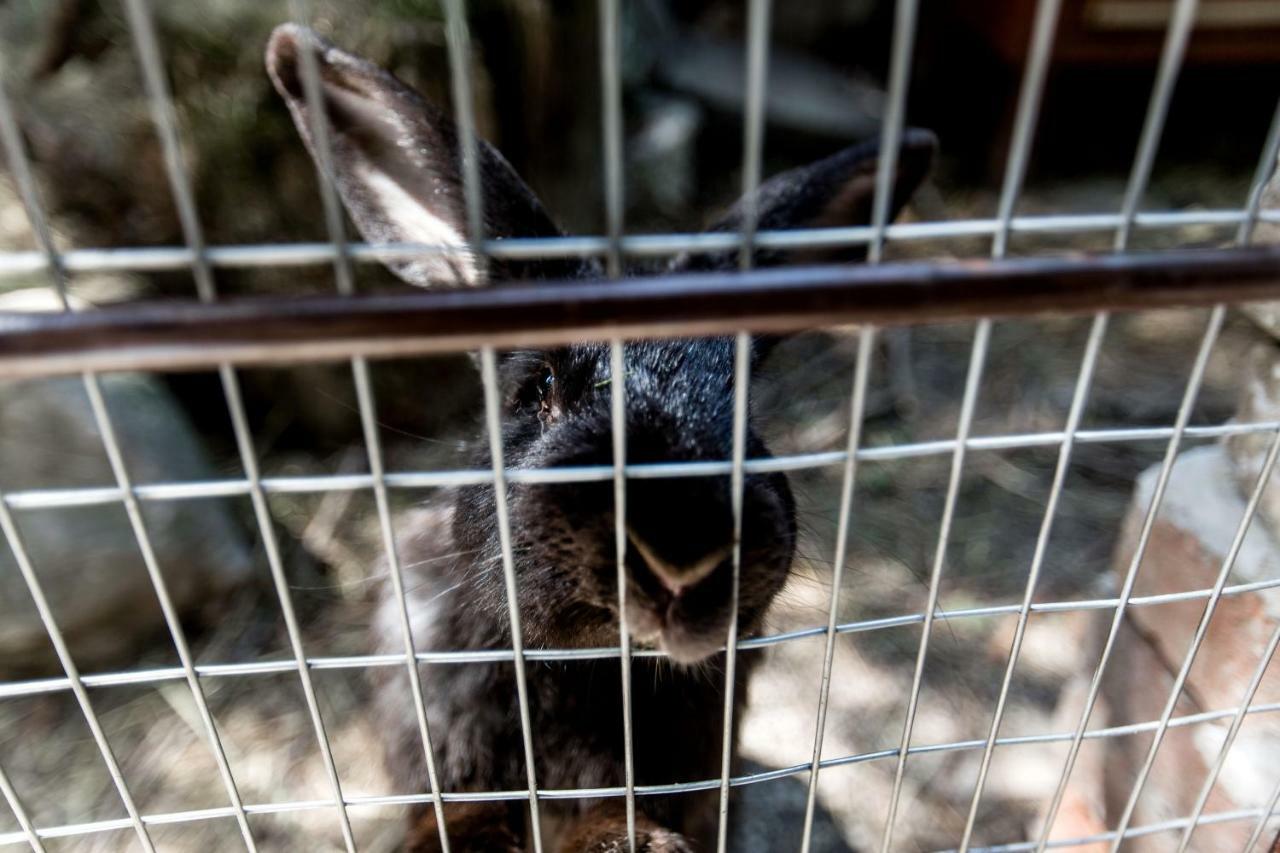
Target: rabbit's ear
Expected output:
[395,161]
[837,191]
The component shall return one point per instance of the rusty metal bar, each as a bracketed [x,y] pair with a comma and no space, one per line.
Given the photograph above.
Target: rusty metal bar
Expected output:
[173,336]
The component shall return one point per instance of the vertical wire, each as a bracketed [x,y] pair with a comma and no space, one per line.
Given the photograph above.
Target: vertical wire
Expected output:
[1175,46]
[144,38]
[115,457]
[903,48]
[977,358]
[369,423]
[610,79]
[1030,97]
[741,381]
[1237,721]
[367,405]
[611,85]
[1268,812]
[160,101]
[1172,53]
[312,90]
[493,423]
[11,138]
[752,155]
[866,340]
[618,415]
[19,812]
[1188,660]
[900,61]
[1171,452]
[1262,174]
[1266,164]
[458,42]
[904,29]
[262,514]
[19,549]
[753,125]
[1088,362]
[20,167]
[262,510]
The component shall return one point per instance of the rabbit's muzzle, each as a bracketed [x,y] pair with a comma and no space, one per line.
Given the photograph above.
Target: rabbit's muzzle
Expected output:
[680,561]
[678,532]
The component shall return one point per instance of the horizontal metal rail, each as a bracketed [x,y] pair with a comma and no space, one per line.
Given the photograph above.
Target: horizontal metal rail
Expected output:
[170,336]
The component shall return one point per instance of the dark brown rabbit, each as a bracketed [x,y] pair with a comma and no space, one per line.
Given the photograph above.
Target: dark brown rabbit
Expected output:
[396,165]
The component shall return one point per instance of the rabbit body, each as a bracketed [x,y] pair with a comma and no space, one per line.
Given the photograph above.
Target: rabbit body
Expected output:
[679,407]
[395,162]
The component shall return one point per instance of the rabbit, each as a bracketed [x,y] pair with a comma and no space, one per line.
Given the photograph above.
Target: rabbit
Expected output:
[396,166]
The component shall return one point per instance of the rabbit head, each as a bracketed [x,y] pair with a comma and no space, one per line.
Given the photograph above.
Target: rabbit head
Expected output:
[396,165]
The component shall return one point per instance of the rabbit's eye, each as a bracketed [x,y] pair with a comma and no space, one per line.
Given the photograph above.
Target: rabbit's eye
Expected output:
[536,394]
[544,385]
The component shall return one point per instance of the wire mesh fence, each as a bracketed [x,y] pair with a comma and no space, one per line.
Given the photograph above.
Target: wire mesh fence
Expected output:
[82,350]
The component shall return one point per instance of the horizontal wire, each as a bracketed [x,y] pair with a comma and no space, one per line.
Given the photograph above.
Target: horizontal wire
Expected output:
[159,674]
[313,484]
[357,800]
[1132,832]
[160,258]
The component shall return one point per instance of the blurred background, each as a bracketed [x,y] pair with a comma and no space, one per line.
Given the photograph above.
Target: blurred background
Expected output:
[72,71]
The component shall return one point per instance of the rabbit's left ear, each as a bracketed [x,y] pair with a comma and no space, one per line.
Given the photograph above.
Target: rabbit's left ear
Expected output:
[837,191]
[395,162]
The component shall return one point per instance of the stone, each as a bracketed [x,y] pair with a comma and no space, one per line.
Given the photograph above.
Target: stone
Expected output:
[88,562]
[662,154]
[802,93]
[1189,541]
[1259,402]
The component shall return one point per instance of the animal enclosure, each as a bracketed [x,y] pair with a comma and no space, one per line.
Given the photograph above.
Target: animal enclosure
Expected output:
[938,632]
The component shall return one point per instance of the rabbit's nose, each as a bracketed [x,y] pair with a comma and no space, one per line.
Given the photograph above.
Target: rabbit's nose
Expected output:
[676,579]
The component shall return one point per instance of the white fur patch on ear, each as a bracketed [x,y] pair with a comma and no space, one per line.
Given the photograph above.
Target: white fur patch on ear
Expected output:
[417,224]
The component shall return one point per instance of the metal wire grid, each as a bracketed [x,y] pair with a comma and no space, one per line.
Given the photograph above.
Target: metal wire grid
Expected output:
[201,260]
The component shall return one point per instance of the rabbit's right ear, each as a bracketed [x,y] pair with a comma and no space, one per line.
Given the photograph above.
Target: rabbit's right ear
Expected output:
[396,164]
[838,191]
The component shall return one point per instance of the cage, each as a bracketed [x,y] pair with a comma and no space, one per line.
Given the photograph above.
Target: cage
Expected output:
[831,646]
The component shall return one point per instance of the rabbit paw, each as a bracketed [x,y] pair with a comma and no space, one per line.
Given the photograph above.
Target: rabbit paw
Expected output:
[662,841]
[650,841]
